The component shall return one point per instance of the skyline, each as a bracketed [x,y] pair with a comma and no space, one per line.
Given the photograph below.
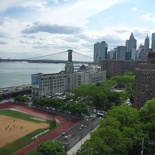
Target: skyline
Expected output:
[42,27]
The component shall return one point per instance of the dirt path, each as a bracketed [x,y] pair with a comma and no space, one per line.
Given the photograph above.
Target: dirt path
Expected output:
[12,129]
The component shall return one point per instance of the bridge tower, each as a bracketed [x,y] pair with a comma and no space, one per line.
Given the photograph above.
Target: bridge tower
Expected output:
[69,68]
[70,55]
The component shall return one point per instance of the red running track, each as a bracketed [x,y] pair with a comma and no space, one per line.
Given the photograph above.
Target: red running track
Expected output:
[65,125]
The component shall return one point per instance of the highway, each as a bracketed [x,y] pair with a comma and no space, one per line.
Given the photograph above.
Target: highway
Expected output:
[9,91]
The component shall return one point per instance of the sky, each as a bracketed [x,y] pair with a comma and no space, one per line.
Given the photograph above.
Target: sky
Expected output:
[31,28]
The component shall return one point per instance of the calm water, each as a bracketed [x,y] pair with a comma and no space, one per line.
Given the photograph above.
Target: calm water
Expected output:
[19,73]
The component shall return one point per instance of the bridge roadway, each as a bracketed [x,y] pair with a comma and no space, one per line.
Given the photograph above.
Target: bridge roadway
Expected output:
[44,61]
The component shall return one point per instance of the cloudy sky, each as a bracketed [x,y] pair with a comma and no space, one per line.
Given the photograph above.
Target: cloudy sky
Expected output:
[30,28]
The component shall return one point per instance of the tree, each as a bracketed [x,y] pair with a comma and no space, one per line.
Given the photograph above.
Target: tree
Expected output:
[120,132]
[55,103]
[128,73]
[125,114]
[76,108]
[21,99]
[38,102]
[101,100]
[49,148]
[108,84]
[147,116]
[85,92]
[107,140]
[123,81]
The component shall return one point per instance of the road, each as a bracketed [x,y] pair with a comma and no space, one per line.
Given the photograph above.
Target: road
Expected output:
[8,100]
[73,150]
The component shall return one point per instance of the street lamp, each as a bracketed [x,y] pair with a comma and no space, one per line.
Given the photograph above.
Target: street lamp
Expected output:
[142,146]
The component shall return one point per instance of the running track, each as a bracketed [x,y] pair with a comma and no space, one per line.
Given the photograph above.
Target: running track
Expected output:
[65,125]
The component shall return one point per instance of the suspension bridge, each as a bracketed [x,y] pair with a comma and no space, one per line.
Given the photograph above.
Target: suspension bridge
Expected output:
[59,57]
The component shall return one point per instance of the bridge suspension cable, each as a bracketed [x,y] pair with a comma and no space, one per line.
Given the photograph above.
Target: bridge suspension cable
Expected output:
[46,55]
[82,54]
[74,56]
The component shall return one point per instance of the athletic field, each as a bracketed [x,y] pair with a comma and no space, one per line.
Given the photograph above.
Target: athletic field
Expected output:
[12,128]
[18,140]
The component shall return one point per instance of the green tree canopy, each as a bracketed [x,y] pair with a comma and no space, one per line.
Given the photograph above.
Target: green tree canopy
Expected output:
[120,132]
[123,81]
[49,148]
[21,99]
[147,116]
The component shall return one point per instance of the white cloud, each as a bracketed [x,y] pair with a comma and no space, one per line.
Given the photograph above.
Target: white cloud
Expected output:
[8,3]
[2,42]
[32,3]
[55,1]
[148,17]
[76,13]
[12,27]
[134,9]
[5,4]
[39,27]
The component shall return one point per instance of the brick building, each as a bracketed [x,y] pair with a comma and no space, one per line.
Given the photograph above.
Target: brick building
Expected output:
[117,67]
[145,81]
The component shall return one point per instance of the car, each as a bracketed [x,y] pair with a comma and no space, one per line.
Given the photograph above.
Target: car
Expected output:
[78,151]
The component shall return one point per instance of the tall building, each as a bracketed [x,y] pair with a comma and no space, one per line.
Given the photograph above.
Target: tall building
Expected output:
[153,41]
[141,55]
[145,81]
[130,45]
[96,52]
[120,52]
[146,46]
[100,51]
[112,54]
[133,54]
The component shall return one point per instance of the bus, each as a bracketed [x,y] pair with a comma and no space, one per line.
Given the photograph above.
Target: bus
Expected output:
[100,115]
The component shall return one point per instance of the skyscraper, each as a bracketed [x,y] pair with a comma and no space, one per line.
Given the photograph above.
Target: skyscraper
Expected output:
[120,52]
[153,41]
[100,51]
[133,54]
[146,45]
[112,54]
[96,52]
[130,45]
[141,55]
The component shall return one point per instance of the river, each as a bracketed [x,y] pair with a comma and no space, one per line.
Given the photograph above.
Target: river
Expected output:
[19,73]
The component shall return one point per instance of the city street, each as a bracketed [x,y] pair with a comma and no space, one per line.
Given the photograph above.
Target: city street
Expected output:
[73,150]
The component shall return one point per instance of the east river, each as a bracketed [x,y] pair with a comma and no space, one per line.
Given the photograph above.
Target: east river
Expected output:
[19,73]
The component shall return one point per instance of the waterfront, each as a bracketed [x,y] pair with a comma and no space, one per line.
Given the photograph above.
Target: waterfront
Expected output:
[19,73]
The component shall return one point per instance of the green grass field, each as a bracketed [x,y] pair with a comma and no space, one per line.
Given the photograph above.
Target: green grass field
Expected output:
[20,115]
[23,141]
[18,144]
